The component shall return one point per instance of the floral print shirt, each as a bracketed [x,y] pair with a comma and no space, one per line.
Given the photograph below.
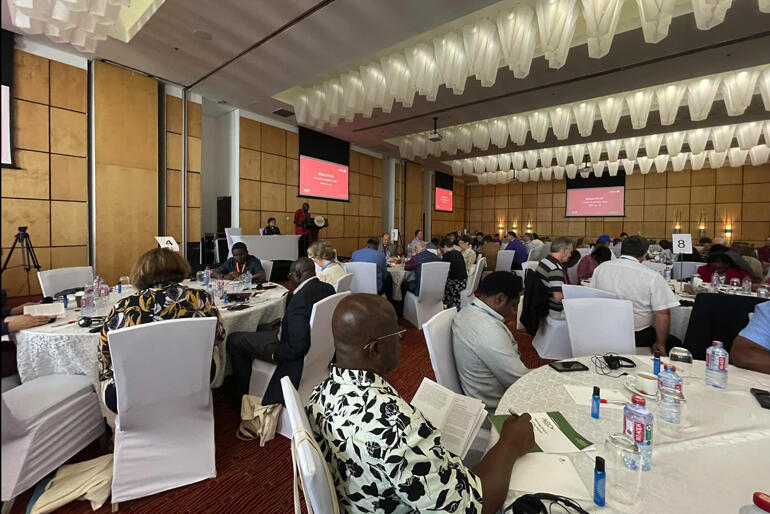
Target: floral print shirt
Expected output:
[158,303]
[383,454]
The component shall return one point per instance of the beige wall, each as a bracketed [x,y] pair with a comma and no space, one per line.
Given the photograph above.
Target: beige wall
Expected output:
[268,182]
[653,202]
[49,192]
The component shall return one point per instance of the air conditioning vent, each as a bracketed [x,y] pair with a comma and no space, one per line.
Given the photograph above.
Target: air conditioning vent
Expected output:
[284,113]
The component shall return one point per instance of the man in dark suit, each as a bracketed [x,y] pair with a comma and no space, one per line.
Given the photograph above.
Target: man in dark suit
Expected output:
[422,256]
[285,346]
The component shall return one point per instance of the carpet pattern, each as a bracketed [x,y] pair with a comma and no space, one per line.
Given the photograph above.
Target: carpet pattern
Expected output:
[254,479]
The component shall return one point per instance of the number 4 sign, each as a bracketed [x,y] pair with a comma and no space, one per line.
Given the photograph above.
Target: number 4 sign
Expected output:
[682,243]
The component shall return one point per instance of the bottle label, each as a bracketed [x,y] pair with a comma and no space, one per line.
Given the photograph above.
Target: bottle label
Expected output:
[722,364]
[708,358]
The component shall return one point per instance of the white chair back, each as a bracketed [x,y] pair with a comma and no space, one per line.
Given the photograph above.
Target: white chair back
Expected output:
[655,266]
[307,458]
[261,231]
[570,292]
[344,283]
[438,336]
[229,233]
[364,277]
[600,325]
[56,280]
[616,249]
[466,295]
[504,260]
[419,309]
[684,270]
[318,357]
[268,267]
[584,251]
[162,380]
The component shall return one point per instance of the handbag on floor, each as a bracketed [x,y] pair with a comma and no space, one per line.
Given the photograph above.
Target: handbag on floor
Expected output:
[257,420]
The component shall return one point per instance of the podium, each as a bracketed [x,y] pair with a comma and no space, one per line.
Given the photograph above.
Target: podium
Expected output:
[312,227]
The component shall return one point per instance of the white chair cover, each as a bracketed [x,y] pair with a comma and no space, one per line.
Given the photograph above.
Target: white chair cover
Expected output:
[616,249]
[164,430]
[229,233]
[307,459]
[584,251]
[655,266]
[600,325]
[570,291]
[56,280]
[418,310]
[344,283]
[466,295]
[364,277]
[525,266]
[504,260]
[552,339]
[572,274]
[683,270]
[438,337]
[45,422]
[316,361]
[268,267]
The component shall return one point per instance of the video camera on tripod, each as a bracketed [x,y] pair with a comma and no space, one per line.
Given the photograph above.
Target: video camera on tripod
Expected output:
[28,257]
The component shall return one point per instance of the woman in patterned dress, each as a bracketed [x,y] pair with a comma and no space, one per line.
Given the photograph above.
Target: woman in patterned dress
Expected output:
[457,277]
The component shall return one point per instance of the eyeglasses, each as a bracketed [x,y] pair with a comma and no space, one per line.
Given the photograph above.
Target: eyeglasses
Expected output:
[399,334]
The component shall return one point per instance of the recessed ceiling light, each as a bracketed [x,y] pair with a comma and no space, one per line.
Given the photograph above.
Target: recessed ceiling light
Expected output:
[202,34]
[221,102]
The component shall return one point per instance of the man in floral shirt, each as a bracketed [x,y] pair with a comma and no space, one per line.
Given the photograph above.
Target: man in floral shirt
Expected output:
[383,454]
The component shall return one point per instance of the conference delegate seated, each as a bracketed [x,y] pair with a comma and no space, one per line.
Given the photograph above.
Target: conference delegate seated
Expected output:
[751,347]
[550,271]
[757,271]
[478,241]
[418,236]
[457,277]
[285,346]
[371,254]
[383,455]
[647,290]
[385,247]
[587,265]
[722,265]
[763,253]
[240,263]
[469,256]
[489,250]
[516,244]
[323,254]
[271,229]
[486,354]
[160,296]
[422,256]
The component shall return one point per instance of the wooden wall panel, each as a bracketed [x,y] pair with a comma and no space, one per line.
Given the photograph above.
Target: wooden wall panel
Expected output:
[65,227]
[71,87]
[30,77]
[69,178]
[30,130]
[68,132]
[31,180]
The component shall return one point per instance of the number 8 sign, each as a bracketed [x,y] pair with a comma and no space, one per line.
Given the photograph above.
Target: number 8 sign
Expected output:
[682,243]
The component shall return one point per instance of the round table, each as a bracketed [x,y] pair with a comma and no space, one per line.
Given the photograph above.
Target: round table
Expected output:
[721,458]
[60,348]
[398,274]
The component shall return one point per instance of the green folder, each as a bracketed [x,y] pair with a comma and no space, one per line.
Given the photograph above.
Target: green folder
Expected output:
[559,420]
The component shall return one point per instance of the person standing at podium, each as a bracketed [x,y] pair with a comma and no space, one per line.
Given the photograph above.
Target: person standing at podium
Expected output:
[301,216]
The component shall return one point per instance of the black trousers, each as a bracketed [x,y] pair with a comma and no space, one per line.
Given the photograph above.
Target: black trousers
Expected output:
[647,336]
[242,349]
[387,287]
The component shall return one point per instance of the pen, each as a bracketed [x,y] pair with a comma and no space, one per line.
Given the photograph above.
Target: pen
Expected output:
[512,413]
[604,400]
[65,323]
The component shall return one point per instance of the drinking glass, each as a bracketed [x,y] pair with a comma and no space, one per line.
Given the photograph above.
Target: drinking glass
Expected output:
[125,281]
[735,282]
[624,470]
[682,359]
[199,276]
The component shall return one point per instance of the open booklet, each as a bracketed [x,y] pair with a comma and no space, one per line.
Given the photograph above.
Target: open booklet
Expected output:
[553,433]
[458,417]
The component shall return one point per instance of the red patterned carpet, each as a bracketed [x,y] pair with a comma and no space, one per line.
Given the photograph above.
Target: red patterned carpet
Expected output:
[254,479]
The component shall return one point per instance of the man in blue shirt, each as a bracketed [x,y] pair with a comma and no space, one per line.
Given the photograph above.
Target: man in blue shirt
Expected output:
[516,245]
[370,254]
[422,256]
[751,347]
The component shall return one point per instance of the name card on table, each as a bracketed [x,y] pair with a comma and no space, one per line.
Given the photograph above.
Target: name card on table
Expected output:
[167,242]
[681,243]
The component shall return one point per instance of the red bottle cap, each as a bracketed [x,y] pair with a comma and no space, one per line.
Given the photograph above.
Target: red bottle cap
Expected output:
[638,400]
[672,368]
[762,501]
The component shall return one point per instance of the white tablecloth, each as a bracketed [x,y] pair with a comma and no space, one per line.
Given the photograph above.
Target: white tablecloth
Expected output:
[718,463]
[398,275]
[68,349]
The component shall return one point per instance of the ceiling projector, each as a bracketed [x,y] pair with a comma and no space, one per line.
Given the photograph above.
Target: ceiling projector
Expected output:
[434,136]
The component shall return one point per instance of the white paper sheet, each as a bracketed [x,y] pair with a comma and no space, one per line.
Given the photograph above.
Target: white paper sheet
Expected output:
[547,473]
[582,396]
[45,309]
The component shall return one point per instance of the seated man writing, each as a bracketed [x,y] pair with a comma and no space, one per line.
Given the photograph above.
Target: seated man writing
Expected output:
[383,454]
[240,263]
[751,347]
[285,346]
[487,356]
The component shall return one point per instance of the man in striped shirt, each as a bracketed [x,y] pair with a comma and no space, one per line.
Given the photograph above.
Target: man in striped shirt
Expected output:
[551,272]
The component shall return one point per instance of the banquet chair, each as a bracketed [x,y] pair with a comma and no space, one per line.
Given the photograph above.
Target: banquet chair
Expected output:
[46,421]
[466,295]
[56,280]
[308,461]
[600,325]
[572,275]
[419,309]
[164,430]
[438,338]
[616,249]
[655,266]
[364,277]
[552,339]
[229,233]
[344,283]
[504,260]
[584,251]
[685,270]
[267,265]
[525,266]
[570,292]
[316,361]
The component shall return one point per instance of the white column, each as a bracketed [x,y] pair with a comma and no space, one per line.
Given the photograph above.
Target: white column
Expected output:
[427,197]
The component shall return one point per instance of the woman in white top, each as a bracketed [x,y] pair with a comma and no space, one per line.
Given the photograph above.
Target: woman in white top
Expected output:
[324,256]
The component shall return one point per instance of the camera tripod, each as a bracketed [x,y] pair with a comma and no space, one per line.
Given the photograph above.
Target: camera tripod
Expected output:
[28,257]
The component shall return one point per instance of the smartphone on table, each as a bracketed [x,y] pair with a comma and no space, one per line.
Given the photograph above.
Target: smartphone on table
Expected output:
[565,366]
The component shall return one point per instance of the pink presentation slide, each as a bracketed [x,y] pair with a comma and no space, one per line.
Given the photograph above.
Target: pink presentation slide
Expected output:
[443,199]
[595,201]
[322,179]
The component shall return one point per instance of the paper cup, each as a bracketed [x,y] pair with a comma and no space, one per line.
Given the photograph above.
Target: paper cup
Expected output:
[646,383]
[79,298]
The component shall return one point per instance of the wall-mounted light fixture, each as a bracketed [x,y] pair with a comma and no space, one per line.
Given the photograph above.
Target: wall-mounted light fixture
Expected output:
[529,223]
[702,224]
[729,230]
[678,223]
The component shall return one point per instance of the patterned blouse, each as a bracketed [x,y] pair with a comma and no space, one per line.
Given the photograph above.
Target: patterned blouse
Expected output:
[160,302]
[383,454]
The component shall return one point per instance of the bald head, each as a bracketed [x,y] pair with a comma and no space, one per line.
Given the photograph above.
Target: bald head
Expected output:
[420,246]
[359,320]
[301,270]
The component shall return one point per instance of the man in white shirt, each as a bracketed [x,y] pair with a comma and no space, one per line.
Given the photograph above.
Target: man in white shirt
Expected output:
[418,236]
[651,296]
[486,354]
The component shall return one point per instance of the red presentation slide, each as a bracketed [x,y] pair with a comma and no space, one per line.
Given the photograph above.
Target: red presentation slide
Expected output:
[322,179]
[596,201]
[443,199]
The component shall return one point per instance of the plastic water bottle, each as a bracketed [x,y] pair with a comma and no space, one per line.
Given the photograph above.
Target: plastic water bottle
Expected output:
[667,273]
[746,285]
[207,276]
[669,378]
[715,283]
[669,392]
[637,424]
[246,280]
[716,365]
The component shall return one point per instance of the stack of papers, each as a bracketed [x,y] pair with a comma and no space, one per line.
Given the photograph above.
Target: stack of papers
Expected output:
[553,433]
[547,473]
[582,396]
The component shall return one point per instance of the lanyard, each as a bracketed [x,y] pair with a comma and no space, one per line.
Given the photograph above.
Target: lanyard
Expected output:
[629,258]
[327,265]
[238,269]
[485,312]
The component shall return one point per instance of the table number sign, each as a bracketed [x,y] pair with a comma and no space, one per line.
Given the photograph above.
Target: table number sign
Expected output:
[681,243]
[167,242]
